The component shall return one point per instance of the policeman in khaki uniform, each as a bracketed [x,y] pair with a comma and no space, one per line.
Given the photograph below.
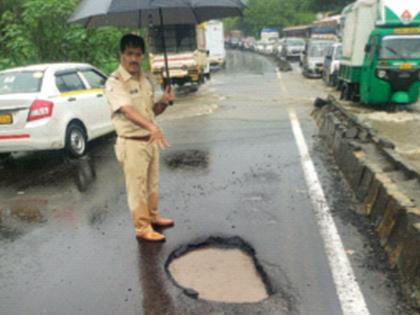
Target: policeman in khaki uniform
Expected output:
[131,98]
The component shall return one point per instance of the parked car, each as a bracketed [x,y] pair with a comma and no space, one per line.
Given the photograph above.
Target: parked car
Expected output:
[52,106]
[259,47]
[332,64]
[293,48]
[313,57]
[269,48]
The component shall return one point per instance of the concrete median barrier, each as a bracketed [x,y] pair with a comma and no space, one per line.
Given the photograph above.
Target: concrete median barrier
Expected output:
[387,188]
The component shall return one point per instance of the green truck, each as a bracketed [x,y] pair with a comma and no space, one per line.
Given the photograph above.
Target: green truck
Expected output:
[381,52]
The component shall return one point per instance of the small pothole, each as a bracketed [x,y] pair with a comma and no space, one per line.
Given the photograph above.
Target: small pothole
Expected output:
[220,270]
[189,159]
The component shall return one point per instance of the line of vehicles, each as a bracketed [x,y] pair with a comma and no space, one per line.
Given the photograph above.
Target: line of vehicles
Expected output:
[56,106]
[370,53]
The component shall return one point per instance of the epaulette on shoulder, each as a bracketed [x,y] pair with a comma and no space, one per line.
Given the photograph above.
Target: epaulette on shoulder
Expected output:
[115,76]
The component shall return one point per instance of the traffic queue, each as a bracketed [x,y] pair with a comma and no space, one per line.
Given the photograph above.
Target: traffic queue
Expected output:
[370,52]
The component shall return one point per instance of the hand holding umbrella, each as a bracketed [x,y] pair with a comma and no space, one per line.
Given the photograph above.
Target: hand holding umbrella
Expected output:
[144,13]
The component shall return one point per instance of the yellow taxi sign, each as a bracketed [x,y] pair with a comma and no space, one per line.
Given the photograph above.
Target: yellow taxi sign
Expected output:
[407,30]
[6,119]
[406,66]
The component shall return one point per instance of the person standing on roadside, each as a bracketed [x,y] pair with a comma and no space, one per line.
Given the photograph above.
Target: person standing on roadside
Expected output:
[130,95]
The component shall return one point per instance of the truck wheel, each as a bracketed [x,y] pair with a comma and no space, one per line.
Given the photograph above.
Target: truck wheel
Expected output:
[76,140]
[345,92]
[341,92]
[354,95]
[202,79]
[334,80]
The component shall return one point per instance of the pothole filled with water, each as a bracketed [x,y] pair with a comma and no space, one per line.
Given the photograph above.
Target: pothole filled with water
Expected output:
[220,271]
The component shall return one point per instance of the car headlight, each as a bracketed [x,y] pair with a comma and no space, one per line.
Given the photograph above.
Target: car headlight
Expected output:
[382,74]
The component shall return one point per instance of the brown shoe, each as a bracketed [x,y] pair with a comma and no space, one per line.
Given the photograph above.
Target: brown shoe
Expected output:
[163,222]
[151,236]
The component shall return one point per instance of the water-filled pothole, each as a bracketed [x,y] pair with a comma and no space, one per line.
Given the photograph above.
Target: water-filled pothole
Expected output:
[220,270]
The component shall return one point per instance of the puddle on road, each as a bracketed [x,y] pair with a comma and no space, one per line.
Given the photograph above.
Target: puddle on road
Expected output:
[17,216]
[189,159]
[219,274]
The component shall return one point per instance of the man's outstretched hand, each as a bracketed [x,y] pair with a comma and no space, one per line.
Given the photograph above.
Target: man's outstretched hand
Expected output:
[156,136]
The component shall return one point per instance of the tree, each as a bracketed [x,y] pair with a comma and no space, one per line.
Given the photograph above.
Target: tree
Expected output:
[329,5]
[36,31]
[272,13]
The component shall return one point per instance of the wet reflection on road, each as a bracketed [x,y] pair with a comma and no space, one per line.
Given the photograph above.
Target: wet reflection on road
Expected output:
[155,298]
[84,172]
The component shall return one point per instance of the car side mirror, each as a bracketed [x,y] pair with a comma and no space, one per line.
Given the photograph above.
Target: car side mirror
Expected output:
[368,48]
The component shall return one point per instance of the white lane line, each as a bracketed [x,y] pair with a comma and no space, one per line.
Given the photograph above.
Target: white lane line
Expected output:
[348,291]
[282,86]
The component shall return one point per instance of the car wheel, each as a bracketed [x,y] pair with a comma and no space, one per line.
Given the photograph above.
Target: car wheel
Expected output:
[4,156]
[76,140]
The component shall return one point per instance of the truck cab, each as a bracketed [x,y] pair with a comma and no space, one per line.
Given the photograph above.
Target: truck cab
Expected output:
[391,67]
[381,52]
[188,63]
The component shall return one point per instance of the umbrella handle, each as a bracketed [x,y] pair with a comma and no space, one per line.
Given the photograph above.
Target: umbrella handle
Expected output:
[167,83]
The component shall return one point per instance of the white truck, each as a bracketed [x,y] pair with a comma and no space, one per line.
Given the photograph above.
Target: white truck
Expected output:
[215,45]
[187,58]
[269,35]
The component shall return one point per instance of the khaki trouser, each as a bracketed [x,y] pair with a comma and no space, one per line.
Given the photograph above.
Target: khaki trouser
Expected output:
[140,162]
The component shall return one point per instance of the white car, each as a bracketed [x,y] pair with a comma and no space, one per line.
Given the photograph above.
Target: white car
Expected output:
[52,106]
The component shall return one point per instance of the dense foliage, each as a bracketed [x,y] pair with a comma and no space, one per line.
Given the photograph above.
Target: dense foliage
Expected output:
[36,31]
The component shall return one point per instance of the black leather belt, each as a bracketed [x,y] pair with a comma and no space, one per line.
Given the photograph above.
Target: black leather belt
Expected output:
[144,138]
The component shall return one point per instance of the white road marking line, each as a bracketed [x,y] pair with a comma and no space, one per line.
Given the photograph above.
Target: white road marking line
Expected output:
[351,298]
[282,86]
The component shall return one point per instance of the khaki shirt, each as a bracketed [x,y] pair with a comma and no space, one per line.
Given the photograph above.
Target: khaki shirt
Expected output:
[123,89]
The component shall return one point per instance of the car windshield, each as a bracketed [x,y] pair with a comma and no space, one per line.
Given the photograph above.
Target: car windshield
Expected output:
[317,49]
[178,39]
[296,42]
[339,52]
[20,82]
[400,47]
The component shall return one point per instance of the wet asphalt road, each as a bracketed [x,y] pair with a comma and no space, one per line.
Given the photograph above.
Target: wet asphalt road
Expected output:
[66,241]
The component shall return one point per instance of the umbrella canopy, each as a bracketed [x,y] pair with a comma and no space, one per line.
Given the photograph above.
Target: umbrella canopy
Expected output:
[143,13]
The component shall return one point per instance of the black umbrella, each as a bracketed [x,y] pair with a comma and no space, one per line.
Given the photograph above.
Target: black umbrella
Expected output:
[144,13]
